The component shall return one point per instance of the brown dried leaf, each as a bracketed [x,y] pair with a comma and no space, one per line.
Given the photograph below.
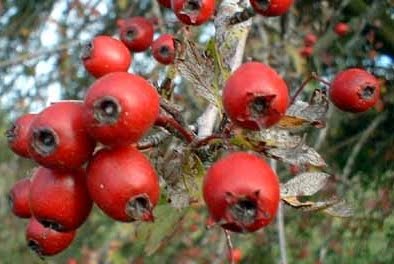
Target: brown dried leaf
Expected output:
[305,184]
[299,155]
[301,114]
[294,202]
[341,209]
[321,205]
[196,67]
[278,138]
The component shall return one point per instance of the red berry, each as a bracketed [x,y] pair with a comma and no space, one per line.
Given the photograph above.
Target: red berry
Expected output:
[255,96]
[310,39]
[136,33]
[341,29]
[163,49]
[17,135]
[104,55]
[354,90]
[58,137]
[18,198]
[123,183]
[193,12]
[241,192]
[271,7]
[120,108]
[165,3]
[234,255]
[60,200]
[46,241]
[306,52]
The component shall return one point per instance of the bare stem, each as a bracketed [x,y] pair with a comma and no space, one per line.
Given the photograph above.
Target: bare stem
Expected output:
[229,245]
[170,124]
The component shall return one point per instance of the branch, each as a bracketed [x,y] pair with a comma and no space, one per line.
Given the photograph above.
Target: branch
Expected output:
[363,139]
[29,56]
[170,124]
[231,41]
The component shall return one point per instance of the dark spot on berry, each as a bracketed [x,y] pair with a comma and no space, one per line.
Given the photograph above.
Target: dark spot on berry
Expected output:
[34,246]
[52,225]
[11,132]
[131,33]
[244,211]
[263,4]
[87,51]
[139,208]
[165,51]
[368,92]
[106,110]
[45,141]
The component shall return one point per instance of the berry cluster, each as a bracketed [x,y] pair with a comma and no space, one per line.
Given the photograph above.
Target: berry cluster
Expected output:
[86,150]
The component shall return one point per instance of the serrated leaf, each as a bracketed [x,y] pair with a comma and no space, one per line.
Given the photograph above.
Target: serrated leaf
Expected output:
[341,209]
[167,219]
[278,138]
[305,184]
[196,67]
[302,114]
[300,155]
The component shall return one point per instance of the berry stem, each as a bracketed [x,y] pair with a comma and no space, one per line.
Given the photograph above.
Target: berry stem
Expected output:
[311,77]
[229,244]
[173,126]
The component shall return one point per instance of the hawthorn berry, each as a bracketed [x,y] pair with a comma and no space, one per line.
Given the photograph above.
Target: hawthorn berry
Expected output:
[59,199]
[193,12]
[165,3]
[354,90]
[45,241]
[163,49]
[234,255]
[271,8]
[123,183]
[18,198]
[17,135]
[136,33]
[120,108]
[341,29]
[306,52]
[255,96]
[241,192]
[104,55]
[57,138]
[310,39]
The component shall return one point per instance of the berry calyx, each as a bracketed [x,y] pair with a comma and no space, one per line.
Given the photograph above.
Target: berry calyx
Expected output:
[193,12]
[255,96]
[45,241]
[104,55]
[125,192]
[120,108]
[17,135]
[354,90]
[58,138]
[136,33]
[58,199]
[163,49]
[271,8]
[241,192]
[18,198]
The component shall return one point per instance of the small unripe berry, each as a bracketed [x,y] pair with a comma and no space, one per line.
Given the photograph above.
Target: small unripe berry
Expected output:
[45,241]
[271,7]
[17,135]
[354,90]
[104,55]
[18,198]
[163,49]
[234,255]
[136,33]
[193,12]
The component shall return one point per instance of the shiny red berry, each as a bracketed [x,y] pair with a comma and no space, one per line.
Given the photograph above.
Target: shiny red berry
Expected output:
[354,90]
[271,7]
[58,137]
[17,135]
[193,12]
[18,198]
[45,241]
[104,55]
[241,192]
[234,255]
[120,108]
[136,33]
[123,183]
[310,39]
[60,200]
[163,49]
[165,3]
[306,52]
[341,29]
[255,96]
